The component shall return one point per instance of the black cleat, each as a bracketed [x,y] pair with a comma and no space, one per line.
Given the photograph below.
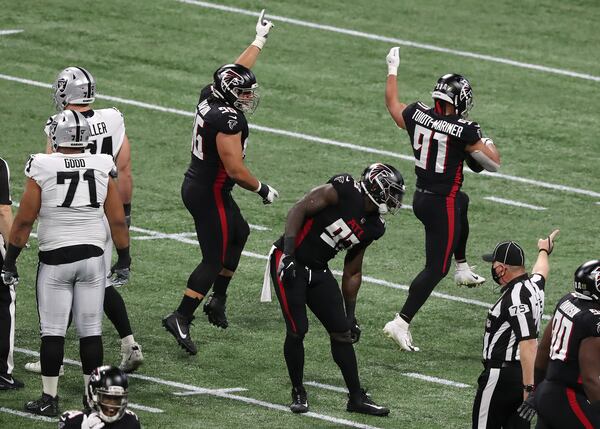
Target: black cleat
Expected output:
[45,406]
[179,327]
[362,403]
[299,400]
[7,382]
[214,308]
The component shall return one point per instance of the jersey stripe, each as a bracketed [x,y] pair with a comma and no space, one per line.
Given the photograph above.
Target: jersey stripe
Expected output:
[217,188]
[284,303]
[486,398]
[450,201]
[572,397]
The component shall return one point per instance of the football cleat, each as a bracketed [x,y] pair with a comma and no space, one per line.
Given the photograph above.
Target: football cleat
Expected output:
[37,368]
[397,330]
[132,357]
[7,382]
[45,406]
[179,327]
[299,400]
[464,276]
[214,308]
[362,403]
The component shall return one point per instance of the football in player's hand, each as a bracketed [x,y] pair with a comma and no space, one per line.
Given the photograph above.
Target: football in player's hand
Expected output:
[473,165]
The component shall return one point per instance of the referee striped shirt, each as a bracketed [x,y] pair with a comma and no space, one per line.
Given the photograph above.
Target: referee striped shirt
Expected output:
[513,318]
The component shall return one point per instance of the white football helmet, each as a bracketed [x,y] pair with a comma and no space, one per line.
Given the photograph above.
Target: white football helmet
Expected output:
[73,85]
[69,129]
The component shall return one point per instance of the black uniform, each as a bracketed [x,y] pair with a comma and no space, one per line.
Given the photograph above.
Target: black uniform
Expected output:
[438,144]
[7,293]
[345,226]
[73,420]
[206,191]
[560,398]
[515,317]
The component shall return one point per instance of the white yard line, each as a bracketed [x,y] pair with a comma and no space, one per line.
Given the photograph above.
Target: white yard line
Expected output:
[203,392]
[222,393]
[320,140]
[396,41]
[326,386]
[435,380]
[7,32]
[514,203]
[27,415]
[144,408]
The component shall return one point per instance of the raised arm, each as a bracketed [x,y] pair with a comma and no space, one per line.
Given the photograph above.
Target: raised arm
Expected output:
[394,106]
[545,248]
[250,54]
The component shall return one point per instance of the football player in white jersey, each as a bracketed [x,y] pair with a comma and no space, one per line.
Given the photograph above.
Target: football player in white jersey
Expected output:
[69,192]
[75,89]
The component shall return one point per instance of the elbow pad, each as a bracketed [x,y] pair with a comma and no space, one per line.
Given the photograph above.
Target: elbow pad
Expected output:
[485,161]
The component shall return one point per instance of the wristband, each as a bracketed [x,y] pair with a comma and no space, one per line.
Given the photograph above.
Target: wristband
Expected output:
[124,255]
[529,388]
[127,209]
[259,42]
[289,244]
[12,253]
[544,250]
[393,70]
[257,190]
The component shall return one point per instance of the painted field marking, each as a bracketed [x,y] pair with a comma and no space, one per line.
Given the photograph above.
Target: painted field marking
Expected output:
[514,203]
[320,140]
[8,32]
[397,41]
[435,380]
[144,408]
[222,394]
[204,392]
[27,415]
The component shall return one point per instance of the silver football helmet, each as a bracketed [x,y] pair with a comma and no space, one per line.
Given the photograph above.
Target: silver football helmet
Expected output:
[73,85]
[69,129]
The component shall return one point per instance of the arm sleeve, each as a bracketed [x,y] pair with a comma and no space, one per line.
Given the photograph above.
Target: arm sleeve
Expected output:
[472,133]
[227,122]
[344,184]
[4,183]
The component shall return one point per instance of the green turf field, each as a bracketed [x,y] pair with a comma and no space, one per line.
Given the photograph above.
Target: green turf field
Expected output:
[320,84]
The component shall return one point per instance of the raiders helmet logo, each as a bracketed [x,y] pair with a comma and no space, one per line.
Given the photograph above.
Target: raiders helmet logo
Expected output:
[61,84]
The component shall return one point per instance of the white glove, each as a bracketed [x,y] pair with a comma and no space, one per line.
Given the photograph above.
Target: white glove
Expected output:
[267,192]
[263,26]
[93,421]
[393,60]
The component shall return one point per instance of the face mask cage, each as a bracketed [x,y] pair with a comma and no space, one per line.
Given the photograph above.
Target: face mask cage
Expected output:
[109,401]
[246,98]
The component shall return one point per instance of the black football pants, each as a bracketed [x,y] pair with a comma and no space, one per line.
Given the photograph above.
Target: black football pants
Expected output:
[561,407]
[318,290]
[446,232]
[221,230]
[499,394]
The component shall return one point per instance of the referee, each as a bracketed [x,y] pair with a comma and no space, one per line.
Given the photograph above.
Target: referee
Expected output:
[511,331]
[7,293]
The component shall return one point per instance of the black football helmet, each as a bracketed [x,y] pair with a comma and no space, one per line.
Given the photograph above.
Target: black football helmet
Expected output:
[456,90]
[237,85]
[385,187]
[107,392]
[587,279]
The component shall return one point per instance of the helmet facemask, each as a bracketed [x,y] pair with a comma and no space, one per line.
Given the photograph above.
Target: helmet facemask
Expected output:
[110,404]
[383,186]
[247,98]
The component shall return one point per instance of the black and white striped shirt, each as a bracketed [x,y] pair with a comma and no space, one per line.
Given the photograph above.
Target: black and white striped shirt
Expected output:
[513,318]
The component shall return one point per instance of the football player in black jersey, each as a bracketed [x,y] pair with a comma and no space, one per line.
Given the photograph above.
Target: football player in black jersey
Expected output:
[107,392]
[442,138]
[567,365]
[219,139]
[343,214]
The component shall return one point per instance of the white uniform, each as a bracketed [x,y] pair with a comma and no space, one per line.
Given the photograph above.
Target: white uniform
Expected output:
[107,129]
[71,236]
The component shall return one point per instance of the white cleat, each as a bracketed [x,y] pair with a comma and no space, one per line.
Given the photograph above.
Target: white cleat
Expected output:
[463,276]
[37,368]
[132,357]
[397,330]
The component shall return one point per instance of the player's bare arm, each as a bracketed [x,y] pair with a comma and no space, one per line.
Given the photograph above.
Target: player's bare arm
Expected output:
[484,151]
[542,357]
[527,351]
[113,208]
[351,279]
[312,203]
[394,106]
[124,177]
[229,147]
[6,220]
[250,54]
[29,209]
[589,350]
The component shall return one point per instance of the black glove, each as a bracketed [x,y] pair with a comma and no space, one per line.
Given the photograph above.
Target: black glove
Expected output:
[355,331]
[527,409]
[119,272]
[10,276]
[267,193]
[287,268]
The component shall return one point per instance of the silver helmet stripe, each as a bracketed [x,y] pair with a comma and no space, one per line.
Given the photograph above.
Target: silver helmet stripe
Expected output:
[89,80]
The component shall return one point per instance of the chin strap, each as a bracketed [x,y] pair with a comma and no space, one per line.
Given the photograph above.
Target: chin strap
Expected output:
[381,206]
